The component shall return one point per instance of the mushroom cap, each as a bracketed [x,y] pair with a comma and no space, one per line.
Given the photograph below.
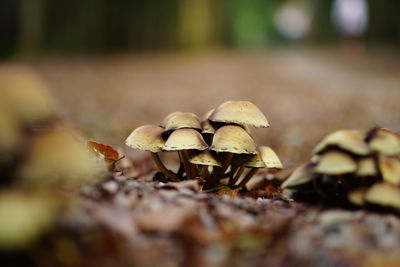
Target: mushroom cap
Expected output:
[180,120]
[249,161]
[301,175]
[384,194]
[205,158]
[349,140]
[207,127]
[357,196]
[269,157]
[384,141]
[57,155]
[146,137]
[366,167]
[390,169]
[234,139]
[183,139]
[335,163]
[240,112]
[26,95]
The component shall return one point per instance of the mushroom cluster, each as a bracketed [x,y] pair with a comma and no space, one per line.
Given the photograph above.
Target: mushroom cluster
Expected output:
[351,168]
[212,149]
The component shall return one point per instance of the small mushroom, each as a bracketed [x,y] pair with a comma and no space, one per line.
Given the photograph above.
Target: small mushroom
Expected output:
[390,169]
[207,127]
[300,176]
[348,140]
[357,196]
[384,194]
[205,159]
[335,163]
[266,157]
[270,158]
[183,140]
[239,112]
[180,120]
[384,141]
[149,138]
[232,139]
[366,167]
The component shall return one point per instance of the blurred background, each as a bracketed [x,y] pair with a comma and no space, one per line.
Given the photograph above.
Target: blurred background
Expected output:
[312,66]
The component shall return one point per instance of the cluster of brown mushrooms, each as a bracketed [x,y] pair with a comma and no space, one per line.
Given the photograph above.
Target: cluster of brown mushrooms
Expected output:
[211,150]
[352,168]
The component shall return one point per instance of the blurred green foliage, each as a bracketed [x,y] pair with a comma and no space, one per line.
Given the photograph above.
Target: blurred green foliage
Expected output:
[110,25]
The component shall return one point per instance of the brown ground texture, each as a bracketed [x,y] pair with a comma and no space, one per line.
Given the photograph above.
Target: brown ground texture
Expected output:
[132,220]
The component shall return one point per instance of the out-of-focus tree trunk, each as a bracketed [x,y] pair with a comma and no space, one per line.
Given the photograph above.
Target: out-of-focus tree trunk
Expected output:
[31,25]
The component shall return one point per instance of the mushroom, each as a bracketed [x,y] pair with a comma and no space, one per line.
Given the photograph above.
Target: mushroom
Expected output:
[366,167]
[390,169]
[58,157]
[239,112]
[348,140]
[384,194]
[357,196]
[335,163]
[301,175]
[266,157]
[270,158]
[149,138]
[183,140]
[208,130]
[384,141]
[180,120]
[231,139]
[206,159]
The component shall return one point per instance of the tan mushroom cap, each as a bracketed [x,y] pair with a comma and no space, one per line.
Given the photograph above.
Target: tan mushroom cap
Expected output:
[384,194]
[183,139]
[357,196]
[349,140]
[301,175]
[335,163]
[385,142]
[269,157]
[249,161]
[205,158]
[207,127]
[390,169]
[234,139]
[180,120]
[146,137]
[240,112]
[25,94]
[58,155]
[366,167]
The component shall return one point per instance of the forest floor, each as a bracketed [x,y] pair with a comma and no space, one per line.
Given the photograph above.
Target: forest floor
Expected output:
[305,94]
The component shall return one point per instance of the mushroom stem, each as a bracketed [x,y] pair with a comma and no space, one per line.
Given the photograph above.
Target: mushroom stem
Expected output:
[247,177]
[227,161]
[234,168]
[163,169]
[239,173]
[186,164]
[193,170]
[204,171]
[180,170]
